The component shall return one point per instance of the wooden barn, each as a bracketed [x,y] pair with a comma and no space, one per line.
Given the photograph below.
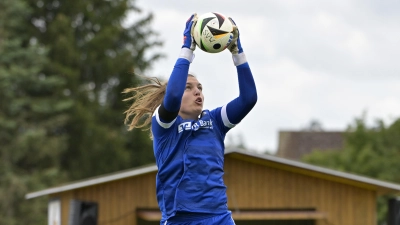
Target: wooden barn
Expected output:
[262,189]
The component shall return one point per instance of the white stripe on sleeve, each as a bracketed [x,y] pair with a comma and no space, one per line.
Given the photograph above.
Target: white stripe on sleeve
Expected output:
[225,119]
[162,124]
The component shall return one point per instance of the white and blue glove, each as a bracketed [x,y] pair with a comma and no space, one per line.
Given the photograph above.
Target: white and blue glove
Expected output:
[235,47]
[188,41]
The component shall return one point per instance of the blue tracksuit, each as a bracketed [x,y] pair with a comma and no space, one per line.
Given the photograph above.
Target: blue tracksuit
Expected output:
[190,153]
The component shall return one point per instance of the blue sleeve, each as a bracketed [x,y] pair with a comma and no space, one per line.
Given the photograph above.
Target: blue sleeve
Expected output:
[175,88]
[238,108]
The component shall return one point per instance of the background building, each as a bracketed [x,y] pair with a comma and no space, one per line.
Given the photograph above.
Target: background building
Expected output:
[296,144]
[262,189]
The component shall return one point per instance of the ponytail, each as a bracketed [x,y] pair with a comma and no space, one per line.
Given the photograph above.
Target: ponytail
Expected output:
[145,100]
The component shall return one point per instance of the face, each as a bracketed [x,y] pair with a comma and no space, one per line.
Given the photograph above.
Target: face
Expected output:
[192,99]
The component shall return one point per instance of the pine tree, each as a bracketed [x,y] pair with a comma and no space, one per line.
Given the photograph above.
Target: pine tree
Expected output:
[97,55]
[63,66]
[32,116]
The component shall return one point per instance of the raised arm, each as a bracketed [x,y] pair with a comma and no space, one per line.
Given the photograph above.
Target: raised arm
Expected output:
[170,106]
[238,108]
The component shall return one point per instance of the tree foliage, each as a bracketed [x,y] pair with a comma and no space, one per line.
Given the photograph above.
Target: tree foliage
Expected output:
[369,151]
[63,66]
[32,114]
[97,55]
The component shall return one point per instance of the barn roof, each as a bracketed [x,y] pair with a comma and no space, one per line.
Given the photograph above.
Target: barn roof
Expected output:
[262,159]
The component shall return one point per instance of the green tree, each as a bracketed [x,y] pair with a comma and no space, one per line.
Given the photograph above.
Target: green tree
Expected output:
[63,66]
[368,151]
[32,117]
[97,55]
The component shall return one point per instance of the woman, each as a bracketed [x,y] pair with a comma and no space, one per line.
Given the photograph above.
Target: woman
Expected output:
[189,141]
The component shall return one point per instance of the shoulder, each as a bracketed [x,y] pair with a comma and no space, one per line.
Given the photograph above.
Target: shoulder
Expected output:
[160,128]
[220,115]
[220,119]
[156,120]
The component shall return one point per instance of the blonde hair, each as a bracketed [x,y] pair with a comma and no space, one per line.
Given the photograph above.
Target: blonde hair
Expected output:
[145,100]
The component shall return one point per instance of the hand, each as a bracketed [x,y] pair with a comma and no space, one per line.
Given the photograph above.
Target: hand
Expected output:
[188,41]
[235,47]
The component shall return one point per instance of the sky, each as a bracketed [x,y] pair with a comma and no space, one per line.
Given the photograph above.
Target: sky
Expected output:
[327,61]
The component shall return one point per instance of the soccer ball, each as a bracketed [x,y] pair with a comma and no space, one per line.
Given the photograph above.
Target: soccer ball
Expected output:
[213,32]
